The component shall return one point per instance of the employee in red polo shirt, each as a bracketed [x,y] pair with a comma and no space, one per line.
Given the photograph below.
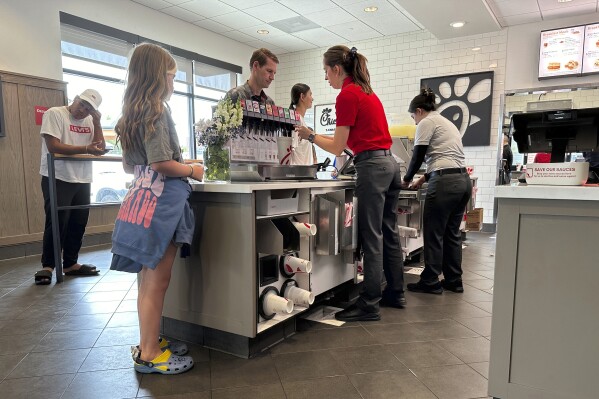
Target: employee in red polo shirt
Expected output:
[362,126]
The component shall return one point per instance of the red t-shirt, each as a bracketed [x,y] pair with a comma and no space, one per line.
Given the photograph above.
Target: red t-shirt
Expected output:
[542,157]
[365,116]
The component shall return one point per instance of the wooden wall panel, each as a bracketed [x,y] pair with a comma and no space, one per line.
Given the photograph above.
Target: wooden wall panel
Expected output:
[29,97]
[13,208]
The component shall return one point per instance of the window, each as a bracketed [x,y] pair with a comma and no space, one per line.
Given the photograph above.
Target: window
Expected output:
[95,56]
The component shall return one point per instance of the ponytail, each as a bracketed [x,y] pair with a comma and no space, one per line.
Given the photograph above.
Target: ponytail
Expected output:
[352,62]
[426,100]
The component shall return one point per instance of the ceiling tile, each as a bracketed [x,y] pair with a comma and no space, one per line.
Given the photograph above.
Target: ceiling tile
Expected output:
[307,6]
[243,4]
[553,4]
[253,31]
[259,44]
[289,42]
[207,8]
[155,4]
[563,12]
[522,19]
[180,13]
[330,17]
[237,19]
[239,36]
[212,26]
[517,7]
[344,3]
[271,12]
[320,36]
[387,19]
[176,2]
[355,31]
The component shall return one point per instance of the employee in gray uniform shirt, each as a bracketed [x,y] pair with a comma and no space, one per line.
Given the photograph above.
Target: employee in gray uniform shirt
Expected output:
[439,142]
[263,66]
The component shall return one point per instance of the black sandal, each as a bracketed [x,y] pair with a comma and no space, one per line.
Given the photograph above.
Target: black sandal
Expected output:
[43,277]
[84,270]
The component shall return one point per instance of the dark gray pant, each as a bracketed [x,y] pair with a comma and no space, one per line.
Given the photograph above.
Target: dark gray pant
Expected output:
[71,222]
[446,200]
[377,190]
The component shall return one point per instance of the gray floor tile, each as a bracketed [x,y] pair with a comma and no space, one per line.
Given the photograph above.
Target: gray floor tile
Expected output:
[128,306]
[487,306]
[123,319]
[82,322]
[390,385]
[113,286]
[389,315]
[481,325]
[107,358]
[107,384]
[482,368]
[270,391]
[94,307]
[9,362]
[104,296]
[422,354]
[10,344]
[307,365]
[331,388]
[325,339]
[236,372]
[50,363]
[482,284]
[472,294]
[487,274]
[193,395]
[469,350]
[27,326]
[453,382]
[47,387]
[69,287]
[56,341]
[193,381]
[366,359]
[119,335]
[395,333]
[444,329]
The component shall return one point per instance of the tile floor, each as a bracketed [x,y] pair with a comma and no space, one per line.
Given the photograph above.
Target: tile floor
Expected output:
[72,341]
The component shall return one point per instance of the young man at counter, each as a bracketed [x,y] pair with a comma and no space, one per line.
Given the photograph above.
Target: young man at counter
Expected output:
[69,130]
[263,66]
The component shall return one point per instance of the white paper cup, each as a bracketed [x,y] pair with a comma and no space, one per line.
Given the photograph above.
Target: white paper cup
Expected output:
[284,147]
[297,265]
[272,303]
[305,229]
[299,296]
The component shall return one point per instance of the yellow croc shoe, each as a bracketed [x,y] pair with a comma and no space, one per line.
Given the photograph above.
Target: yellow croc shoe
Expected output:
[165,363]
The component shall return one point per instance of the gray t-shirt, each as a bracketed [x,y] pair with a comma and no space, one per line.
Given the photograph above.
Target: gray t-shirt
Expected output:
[162,145]
[445,149]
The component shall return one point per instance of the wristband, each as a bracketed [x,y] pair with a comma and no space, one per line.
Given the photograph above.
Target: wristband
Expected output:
[191,170]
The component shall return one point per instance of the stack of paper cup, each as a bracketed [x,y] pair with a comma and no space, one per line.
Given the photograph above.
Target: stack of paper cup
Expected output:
[273,303]
[299,296]
[284,147]
[305,229]
[297,265]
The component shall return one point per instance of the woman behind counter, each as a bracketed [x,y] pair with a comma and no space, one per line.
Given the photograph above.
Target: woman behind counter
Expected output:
[449,189]
[302,152]
[362,126]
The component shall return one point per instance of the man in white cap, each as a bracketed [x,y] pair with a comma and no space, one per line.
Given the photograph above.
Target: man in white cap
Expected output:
[69,130]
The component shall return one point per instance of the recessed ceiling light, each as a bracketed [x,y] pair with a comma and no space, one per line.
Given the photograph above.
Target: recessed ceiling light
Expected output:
[457,24]
[370,9]
[262,32]
[564,1]
[476,49]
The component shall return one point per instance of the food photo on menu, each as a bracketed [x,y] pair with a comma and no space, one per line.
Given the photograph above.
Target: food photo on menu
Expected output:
[591,49]
[561,52]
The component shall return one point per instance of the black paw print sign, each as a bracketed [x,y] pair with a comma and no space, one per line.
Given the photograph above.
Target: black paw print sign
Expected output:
[466,100]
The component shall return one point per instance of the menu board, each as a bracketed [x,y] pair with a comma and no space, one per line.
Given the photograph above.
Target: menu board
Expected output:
[590,62]
[561,52]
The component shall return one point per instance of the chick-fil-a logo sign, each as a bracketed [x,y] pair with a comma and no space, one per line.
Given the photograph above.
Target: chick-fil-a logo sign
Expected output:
[325,117]
[39,113]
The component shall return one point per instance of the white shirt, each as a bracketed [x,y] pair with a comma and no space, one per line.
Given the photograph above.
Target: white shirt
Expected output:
[301,152]
[445,149]
[58,122]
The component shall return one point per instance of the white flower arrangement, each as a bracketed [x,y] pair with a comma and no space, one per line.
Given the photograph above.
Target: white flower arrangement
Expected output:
[224,125]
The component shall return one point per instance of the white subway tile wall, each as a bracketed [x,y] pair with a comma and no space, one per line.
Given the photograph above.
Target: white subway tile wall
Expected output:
[396,65]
